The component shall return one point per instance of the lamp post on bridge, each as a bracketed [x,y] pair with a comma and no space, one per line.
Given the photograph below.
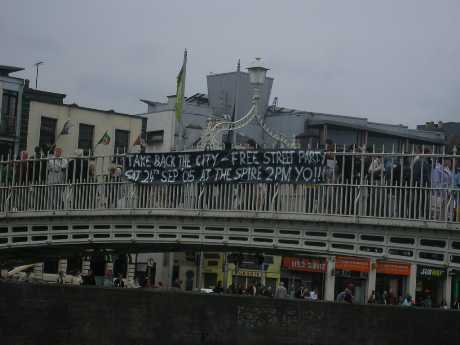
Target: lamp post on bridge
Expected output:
[257,76]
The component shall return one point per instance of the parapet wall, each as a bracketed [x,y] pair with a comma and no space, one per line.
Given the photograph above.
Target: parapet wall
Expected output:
[54,315]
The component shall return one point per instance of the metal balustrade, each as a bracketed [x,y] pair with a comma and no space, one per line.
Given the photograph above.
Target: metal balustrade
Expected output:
[398,186]
[405,208]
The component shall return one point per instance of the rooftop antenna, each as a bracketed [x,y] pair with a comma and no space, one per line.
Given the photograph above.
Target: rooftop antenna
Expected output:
[36,75]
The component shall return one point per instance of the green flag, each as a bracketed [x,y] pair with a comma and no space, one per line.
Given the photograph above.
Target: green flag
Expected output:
[105,139]
[181,89]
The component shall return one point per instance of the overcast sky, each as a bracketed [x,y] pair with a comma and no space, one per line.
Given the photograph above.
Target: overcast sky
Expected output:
[394,61]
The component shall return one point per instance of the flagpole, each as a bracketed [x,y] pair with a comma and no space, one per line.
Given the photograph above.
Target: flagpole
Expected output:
[235,105]
[180,142]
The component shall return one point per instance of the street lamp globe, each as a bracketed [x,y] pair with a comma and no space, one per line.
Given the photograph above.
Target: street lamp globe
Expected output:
[257,73]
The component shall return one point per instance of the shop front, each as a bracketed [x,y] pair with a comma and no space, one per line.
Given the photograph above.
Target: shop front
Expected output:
[259,270]
[352,272]
[430,286]
[455,289]
[243,279]
[304,272]
[391,281]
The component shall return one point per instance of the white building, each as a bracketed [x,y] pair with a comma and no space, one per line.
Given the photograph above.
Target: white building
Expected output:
[163,128]
[86,127]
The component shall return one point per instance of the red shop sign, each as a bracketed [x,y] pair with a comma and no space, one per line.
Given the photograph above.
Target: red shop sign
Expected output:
[393,268]
[347,263]
[304,264]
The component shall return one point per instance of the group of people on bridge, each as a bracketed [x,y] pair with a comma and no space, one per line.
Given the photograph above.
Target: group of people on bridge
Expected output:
[415,185]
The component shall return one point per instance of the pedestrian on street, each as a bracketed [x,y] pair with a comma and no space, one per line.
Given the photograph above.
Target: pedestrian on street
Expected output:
[427,303]
[345,296]
[177,284]
[372,298]
[313,295]
[218,288]
[444,305]
[61,278]
[89,279]
[407,302]
[281,291]
[76,279]
[118,282]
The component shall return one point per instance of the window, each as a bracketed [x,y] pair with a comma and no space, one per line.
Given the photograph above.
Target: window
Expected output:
[372,238]
[431,256]
[47,131]
[155,137]
[315,244]
[369,249]
[432,243]
[121,141]
[8,114]
[315,233]
[455,259]
[343,235]
[342,246]
[400,252]
[402,240]
[85,137]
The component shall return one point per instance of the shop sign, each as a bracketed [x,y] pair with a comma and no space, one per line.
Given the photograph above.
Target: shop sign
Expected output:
[256,274]
[393,268]
[431,272]
[347,263]
[305,264]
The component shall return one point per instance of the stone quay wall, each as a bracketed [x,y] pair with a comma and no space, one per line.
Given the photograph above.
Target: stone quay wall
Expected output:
[38,314]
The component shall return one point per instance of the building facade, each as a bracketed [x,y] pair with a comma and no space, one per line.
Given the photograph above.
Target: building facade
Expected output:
[450,129]
[73,127]
[229,97]
[11,95]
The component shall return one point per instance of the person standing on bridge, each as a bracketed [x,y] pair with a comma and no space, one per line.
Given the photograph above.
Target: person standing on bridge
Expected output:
[56,175]
[441,180]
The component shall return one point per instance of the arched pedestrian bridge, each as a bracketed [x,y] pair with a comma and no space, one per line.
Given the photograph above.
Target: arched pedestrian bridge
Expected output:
[88,204]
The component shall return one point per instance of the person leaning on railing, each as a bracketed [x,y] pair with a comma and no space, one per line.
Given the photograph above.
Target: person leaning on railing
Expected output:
[441,180]
[421,168]
[78,168]
[56,175]
[456,196]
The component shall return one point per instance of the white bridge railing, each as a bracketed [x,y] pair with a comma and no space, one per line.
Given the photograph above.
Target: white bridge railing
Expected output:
[419,185]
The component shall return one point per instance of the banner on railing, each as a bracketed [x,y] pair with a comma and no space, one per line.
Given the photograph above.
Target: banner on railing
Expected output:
[239,166]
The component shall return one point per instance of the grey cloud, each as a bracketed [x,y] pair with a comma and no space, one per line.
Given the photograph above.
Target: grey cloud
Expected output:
[392,61]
